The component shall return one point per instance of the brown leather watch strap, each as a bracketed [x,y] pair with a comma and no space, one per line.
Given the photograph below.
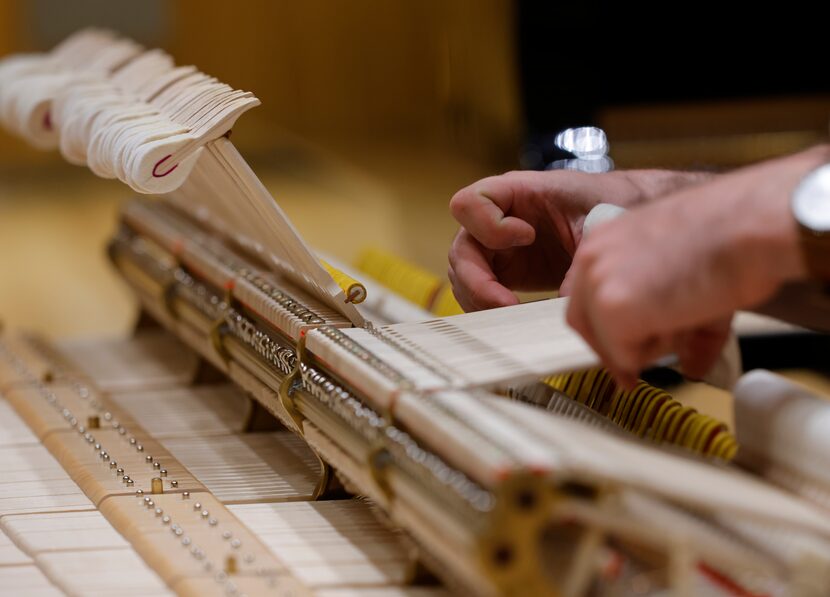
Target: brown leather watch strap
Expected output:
[815,250]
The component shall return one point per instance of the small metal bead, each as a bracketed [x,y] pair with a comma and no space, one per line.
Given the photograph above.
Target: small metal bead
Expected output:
[125,478]
[132,441]
[97,446]
[227,535]
[197,506]
[174,483]
[185,541]
[119,471]
[139,492]
[148,458]
[139,447]
[236,543]
[165,519]
[185,495]
[113,464]
[122,431]
[130,482]
[81,429]
[147,500]
[213,522]
[159,511]
[150,504]
[163,472]
[179,532]
[108,416]
[156,465]
[205,513]
[104,456]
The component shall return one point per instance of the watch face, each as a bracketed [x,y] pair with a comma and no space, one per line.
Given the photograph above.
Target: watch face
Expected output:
[811,200]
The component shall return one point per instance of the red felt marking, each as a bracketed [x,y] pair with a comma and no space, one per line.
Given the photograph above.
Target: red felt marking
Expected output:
[159,163]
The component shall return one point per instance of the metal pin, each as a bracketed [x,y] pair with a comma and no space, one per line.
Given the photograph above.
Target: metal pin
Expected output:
[113,464]
[147,500]
[205,513]
[227,535]
[132,441]
[119,471]
[197,506]
[159,511]
[121,430]
[139,447]
[185,541]
[93,422]
[156,465]
[230,565]
[165,519]
[150,504]
[185,495]
[148,458]
[213,522]
[174,483]
[139,492]
[156,485]
[125,478]
[163,472]
[97,446]
[108,416]
[236,543]
[130,482]
[179,532]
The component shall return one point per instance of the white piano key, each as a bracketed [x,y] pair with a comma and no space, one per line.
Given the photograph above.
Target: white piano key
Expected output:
[10,554]
[187,411]
[151,359]
[64,531]
[26,580]
[329,544]
[249,467]
[13,430]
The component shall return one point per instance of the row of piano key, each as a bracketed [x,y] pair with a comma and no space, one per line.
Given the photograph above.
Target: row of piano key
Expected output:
[55,541]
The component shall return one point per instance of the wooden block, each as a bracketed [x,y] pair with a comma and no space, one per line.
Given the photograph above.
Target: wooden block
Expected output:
[190,543]
[99,479]
[20,362]
[281,586]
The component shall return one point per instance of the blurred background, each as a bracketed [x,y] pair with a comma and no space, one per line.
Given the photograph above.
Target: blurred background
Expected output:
[376,111]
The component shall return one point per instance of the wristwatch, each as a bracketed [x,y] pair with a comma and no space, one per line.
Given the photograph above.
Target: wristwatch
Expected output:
[811,209]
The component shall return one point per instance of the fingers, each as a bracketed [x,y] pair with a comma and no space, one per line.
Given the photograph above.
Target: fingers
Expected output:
[481,208]
[474,284]
[699,349]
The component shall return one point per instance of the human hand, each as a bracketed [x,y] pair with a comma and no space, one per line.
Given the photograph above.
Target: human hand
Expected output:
[519,231]
[666,277]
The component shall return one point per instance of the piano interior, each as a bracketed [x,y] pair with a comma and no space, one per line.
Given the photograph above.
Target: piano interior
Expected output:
[219,383]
